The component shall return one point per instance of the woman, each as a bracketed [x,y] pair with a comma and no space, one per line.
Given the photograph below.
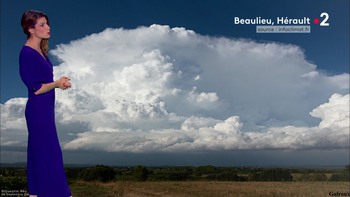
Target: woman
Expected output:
[45,170]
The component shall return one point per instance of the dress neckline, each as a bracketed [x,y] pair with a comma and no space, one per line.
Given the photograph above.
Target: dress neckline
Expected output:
[42,55]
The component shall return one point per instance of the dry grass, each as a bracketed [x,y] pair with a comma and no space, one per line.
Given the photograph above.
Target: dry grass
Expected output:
[208,189]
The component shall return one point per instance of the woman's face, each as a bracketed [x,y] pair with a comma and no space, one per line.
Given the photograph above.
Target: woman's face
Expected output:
[41,29]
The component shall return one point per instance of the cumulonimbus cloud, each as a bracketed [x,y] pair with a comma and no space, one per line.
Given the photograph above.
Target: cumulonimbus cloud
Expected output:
[170,89]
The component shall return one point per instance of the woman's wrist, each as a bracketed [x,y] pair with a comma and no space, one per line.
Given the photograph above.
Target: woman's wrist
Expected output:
[56,84]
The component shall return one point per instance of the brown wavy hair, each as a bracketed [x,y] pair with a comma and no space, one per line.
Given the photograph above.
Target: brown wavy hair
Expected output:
[29,19]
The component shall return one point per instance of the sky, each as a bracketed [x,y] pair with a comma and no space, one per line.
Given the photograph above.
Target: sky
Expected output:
[180,83]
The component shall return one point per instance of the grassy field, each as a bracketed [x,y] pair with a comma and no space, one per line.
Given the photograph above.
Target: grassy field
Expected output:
[208,189]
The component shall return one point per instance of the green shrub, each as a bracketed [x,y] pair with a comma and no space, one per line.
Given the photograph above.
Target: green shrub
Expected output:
[13,183]
[340,177]
[97,173]
[275,174]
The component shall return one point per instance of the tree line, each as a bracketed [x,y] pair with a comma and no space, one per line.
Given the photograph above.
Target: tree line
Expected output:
[12,178]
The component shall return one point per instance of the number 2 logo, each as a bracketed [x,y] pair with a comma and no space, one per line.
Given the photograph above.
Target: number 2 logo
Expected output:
[325,17]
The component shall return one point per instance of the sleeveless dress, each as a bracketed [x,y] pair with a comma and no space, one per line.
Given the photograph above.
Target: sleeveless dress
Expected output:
[45,171]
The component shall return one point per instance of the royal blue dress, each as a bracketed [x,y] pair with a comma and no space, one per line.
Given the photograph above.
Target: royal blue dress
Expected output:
[45,171]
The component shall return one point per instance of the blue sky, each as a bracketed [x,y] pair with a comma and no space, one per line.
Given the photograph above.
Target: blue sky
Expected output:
[263,106]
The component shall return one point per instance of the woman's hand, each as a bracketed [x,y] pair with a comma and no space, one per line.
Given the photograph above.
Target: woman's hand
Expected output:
[64,83]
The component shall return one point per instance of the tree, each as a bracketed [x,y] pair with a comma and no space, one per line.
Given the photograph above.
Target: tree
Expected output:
[226,176]
[140,173]
[313,177]
[98,173]
[275,174]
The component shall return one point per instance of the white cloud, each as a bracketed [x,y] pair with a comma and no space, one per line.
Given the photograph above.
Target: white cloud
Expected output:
[335,113]
[169,89]
[13,125]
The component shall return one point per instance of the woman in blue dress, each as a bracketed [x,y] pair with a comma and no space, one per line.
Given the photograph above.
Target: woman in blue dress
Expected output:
[45,171]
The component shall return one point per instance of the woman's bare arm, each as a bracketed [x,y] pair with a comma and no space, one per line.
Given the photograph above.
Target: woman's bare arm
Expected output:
[63,83]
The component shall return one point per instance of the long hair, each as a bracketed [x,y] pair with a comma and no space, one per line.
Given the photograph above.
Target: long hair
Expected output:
[28,21]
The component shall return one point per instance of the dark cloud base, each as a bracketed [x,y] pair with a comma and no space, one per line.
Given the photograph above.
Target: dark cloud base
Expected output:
[264,158]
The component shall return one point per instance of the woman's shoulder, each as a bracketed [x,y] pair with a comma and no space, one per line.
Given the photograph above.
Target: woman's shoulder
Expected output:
[27,52]
[27,49]
[27,57]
